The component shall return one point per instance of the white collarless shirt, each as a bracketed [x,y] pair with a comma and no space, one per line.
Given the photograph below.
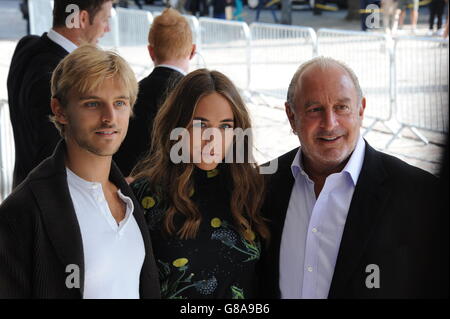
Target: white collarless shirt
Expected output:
[62,41]
[113,253]
[313,228]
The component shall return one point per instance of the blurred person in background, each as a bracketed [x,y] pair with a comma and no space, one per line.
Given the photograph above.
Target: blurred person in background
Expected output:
[171,48]
[30,72]
[413,6]
[390,17]
[436,8]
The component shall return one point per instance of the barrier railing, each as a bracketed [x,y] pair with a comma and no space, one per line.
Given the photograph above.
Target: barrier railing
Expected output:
[225,46]
[111,38]
[404,79]
[370,56]
[133,26]
[198,61]
[276,52]
[7,151]
[421,85]
[40,13]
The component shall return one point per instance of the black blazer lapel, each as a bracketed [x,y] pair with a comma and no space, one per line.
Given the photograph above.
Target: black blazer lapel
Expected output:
[51,192]
[366,208]
[279,191]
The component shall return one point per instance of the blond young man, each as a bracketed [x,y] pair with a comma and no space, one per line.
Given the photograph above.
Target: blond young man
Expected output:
[73,229]
[171,48]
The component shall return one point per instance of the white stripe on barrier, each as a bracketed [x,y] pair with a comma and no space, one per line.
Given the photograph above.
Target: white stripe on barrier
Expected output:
[41,16]
[7,151]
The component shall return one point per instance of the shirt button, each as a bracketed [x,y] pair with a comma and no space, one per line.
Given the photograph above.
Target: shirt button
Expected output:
[314,230]
[310,269]
[94,186]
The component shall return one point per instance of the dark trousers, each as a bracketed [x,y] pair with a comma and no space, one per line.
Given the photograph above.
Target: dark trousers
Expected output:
[261,6]
[436,9]
[199,6]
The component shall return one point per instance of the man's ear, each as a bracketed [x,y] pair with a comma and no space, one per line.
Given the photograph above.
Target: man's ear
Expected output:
[58,111]
[151,51]
[194,48]
[290,114]
[362,108]
[84,19]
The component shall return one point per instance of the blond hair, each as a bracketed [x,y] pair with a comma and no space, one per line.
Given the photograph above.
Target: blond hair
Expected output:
[84,71]
[170,36]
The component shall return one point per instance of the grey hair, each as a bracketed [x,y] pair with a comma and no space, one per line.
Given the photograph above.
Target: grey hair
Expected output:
[323,63]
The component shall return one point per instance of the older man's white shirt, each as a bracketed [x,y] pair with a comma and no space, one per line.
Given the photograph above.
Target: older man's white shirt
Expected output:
[313,228]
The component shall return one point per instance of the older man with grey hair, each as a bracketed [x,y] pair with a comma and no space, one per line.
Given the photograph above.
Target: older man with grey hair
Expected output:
[347,221]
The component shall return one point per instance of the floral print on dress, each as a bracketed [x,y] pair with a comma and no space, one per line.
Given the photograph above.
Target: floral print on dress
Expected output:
[227,235]
[220,262]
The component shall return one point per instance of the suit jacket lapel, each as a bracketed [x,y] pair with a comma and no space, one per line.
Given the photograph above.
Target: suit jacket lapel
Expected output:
[50,188]
[275,209]
[366,208]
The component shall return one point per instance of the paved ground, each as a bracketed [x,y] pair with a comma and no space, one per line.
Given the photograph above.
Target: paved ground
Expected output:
[272,132]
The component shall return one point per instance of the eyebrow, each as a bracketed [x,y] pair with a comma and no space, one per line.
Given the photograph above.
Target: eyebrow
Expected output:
[308,104]
[342,100]
[206,120]
[93,97]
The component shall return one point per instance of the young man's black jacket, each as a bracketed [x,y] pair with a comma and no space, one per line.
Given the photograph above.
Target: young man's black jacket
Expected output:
[40,236]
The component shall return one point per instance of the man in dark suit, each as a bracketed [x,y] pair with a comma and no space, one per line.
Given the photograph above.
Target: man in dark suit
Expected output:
[72,228]
[348,221]
[31,68]
[171,49]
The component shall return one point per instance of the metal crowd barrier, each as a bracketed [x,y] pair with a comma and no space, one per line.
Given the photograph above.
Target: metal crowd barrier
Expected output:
[421,85]
[133,26]
[276,53]
[7,151]
[225,46]
[41,17]
[370,56]
[129,29]
[198,61]
[111,39]
[405,79]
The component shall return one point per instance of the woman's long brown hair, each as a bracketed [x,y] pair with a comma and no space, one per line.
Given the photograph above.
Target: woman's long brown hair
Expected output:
[176,180]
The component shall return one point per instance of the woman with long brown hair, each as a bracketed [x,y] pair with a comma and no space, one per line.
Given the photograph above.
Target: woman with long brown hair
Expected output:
[202,196]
